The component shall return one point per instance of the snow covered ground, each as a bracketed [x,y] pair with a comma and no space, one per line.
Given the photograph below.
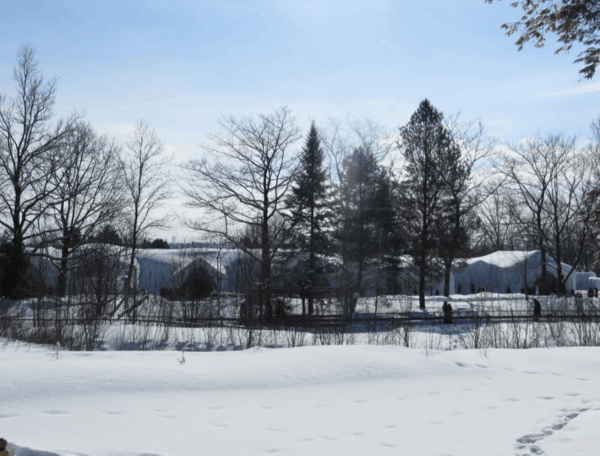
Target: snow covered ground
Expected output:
[319,400]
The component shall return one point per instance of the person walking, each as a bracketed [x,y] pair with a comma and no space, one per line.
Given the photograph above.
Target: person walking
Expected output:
[447,308]
[537,310]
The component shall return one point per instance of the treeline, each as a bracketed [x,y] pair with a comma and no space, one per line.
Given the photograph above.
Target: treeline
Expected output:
[353,200]
[410,204]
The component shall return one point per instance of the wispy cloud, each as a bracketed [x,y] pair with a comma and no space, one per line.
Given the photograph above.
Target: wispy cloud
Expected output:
[575,91]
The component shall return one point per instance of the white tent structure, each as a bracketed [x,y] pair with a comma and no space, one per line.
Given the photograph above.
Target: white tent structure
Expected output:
[515,269]
[82,263]
[163,267]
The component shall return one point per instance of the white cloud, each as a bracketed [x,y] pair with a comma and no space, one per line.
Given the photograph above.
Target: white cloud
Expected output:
[574,91]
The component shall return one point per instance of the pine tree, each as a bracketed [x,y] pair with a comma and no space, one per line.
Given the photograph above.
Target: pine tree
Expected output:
[308,206]
[429,152]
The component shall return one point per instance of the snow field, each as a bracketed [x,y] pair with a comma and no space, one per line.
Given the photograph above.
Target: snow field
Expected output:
[348,400]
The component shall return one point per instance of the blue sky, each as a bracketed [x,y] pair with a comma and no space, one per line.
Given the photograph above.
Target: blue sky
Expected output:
[181,64]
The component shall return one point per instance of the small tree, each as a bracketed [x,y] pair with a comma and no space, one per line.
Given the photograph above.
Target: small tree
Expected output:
[147,186]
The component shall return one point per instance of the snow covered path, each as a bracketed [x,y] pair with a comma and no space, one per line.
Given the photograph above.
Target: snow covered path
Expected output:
[350,400]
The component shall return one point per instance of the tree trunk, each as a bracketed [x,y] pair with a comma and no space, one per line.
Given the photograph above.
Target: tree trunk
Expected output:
[311,265]
[61,286]
[422,287]
[544,278]
[447,272]
[265,269]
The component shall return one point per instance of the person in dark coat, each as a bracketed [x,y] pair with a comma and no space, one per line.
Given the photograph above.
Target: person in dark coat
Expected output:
[537,310]
[3,444]
[447,308]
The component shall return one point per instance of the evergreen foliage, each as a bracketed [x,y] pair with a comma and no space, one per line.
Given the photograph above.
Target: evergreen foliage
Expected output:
[308,200]
[155,244]
[573,21]
[430,154]
[108,234]
[364,189]
[308,206]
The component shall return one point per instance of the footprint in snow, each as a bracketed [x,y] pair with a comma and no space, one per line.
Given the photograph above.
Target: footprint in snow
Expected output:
[221,425]
[529,440]
[321,405]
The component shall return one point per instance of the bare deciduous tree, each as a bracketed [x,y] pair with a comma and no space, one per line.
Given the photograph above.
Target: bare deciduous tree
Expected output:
[496,229]
[549,183]
[30,140]
[565,205]
[242,181]
[88,194]
[592,199]
[467,185]
[147,187]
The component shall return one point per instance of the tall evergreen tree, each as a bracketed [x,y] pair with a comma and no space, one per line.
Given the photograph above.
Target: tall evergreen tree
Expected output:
[457,221]
[388,233]
[429,152]
[308,206]
[359,190]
